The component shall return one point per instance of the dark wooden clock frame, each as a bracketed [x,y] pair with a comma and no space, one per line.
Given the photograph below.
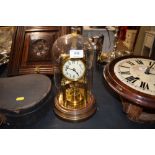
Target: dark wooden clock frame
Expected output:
[31,49]
[134,102]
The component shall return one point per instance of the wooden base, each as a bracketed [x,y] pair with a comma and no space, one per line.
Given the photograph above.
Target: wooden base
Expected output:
[137,113]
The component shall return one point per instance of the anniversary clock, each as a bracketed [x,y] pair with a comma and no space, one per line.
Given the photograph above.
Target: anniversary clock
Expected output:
[133,78]
[73,75]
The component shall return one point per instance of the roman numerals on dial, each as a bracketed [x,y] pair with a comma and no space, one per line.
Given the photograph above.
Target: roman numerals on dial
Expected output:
[124,66]
[133,73]
[125,72]
[132,79]
[150,63]
[73,69]
[144,85]
[140,62]
[131,63]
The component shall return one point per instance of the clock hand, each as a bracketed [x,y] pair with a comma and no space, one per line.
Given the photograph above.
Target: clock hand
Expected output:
[73,70]
[151,73]
[69,68]
[147,71]
[152,65]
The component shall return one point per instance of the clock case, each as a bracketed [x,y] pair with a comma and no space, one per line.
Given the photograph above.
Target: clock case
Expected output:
[140,107]
[31,47]
[74,99]
[24,100]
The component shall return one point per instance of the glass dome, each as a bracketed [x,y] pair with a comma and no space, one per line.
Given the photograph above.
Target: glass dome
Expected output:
[73,76]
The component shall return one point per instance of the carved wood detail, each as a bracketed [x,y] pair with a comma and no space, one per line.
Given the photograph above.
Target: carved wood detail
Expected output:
[31,49]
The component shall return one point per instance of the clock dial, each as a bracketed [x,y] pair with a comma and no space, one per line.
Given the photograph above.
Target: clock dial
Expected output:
[73,69]
[137,73]
[40,48]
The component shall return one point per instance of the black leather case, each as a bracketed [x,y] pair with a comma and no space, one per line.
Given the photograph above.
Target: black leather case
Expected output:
[24,99]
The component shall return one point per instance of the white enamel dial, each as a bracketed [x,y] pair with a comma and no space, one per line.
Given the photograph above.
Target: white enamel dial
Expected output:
[73,69]
[137,73]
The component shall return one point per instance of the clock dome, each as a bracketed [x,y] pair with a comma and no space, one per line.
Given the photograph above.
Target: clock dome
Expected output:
[73,56]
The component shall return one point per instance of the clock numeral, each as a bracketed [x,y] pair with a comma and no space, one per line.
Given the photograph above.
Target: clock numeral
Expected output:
[132,79]
[140,62]
[124,66]
[131,63]
[66,68]
[144,85]
[150,63]
[126,72]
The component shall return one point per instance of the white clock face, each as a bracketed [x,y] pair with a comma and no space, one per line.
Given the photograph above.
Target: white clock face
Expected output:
[73,69]
[137,73]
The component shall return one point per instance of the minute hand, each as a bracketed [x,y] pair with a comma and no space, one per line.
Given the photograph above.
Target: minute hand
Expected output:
[147,71]
[74,70]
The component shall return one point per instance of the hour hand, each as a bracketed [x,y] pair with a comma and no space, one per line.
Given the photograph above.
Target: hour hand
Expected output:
[147,71]
[152,73]
[69,68]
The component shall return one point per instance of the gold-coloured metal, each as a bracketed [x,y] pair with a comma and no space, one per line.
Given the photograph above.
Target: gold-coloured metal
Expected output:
[74,101]
[37,69]
[4,58]
[81,110]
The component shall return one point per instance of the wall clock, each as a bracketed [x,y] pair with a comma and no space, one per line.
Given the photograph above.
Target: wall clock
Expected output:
[39,50]
[133,78]
[31,49]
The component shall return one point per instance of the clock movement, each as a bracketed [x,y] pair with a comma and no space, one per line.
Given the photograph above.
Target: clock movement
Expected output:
[133,78]
[73,73]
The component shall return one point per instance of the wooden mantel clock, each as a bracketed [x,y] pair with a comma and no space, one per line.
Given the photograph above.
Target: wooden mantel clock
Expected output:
[133,78]
[30,52]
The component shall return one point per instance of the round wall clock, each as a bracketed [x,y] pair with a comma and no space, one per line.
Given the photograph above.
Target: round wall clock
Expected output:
[133,78]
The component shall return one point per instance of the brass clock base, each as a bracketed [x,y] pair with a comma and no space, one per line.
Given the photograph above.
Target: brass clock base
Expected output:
[74,114]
